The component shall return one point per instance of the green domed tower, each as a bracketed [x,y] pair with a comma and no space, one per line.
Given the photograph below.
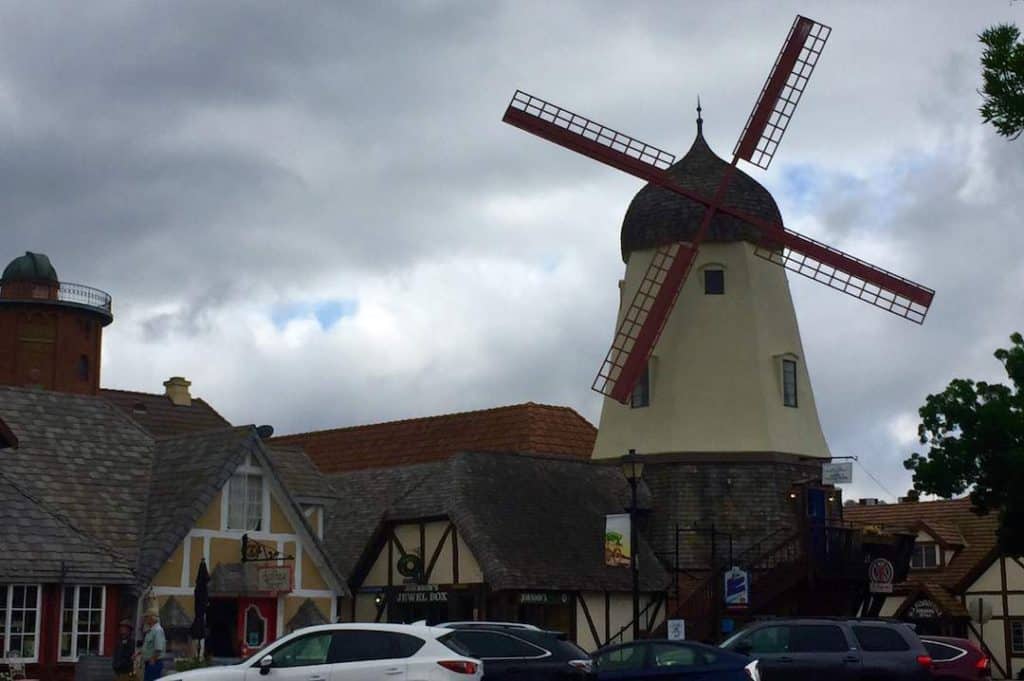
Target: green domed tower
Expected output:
[50,331]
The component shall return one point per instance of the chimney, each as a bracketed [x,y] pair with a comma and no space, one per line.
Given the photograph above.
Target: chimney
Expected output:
[176,390]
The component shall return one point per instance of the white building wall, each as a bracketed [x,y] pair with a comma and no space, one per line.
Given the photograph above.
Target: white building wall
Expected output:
[716,374]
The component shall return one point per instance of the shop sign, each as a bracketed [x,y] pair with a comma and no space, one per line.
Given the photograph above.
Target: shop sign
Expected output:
[274,578]
[924,609]
[543,598]
[737,588]
[676,630]
[616,540]
[836,473]
[421,593]
[880,575]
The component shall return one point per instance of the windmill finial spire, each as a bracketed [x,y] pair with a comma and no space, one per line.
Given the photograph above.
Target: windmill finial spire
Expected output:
[700,121]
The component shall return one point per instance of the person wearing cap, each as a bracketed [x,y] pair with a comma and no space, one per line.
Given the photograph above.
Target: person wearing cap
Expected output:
[124,663]
[153,646]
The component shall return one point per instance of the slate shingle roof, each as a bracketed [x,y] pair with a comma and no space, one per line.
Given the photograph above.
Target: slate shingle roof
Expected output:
[161,417]
[530,427]
[299,474]
[88,485]
[41,545]
[531,521]
[978,533]
[188,471]
[81,458]
[659,216]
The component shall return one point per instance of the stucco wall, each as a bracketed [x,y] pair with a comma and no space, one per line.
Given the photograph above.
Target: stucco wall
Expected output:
[716,377]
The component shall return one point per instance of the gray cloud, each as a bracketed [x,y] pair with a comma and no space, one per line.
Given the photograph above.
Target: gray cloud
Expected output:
[206,162]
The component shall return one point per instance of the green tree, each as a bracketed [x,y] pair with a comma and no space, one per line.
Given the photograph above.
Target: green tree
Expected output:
[1003,74]
[975,437]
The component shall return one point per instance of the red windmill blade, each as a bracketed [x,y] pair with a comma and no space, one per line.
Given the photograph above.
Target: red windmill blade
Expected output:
[648,312]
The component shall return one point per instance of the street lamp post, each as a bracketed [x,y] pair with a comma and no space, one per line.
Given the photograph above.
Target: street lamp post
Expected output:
[632,468]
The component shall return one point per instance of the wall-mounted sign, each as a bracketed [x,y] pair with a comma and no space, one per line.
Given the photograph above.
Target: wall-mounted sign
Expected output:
[421,593]
[253,551]
[410,565]
[880,575]
[837,473]
[274,578]
[924,609]
[616,540]
[737,588]
[676,630]
[543,598]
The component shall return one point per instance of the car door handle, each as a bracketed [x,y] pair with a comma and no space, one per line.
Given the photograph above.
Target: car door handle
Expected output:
[317,677]
[393,671]
[851,658]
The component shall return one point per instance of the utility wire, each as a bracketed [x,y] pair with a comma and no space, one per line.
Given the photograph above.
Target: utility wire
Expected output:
[877,481]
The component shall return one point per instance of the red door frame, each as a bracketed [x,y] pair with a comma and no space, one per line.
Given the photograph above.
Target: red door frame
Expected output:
[267,608]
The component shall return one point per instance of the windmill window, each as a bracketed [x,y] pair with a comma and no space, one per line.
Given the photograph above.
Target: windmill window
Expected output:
[789,382]
[714,282]
[641,395]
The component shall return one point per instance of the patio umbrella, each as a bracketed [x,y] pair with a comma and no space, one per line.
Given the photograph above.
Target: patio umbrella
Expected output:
[202,600]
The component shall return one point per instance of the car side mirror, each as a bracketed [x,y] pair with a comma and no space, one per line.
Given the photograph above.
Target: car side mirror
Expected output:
[265,664]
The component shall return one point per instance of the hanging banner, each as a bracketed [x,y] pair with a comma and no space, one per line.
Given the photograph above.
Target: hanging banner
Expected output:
[737,588]
[836,473]
[616,540]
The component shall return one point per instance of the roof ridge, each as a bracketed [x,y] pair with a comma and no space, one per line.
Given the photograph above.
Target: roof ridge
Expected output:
[204,433]
[66,522]
[506,407]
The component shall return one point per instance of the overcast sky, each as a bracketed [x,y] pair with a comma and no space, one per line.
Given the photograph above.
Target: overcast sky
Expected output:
[313,211]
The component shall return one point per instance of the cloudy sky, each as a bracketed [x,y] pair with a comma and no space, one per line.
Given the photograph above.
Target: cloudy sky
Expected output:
[313,211]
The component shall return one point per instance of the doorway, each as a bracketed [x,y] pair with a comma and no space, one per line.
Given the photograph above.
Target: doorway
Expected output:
[222,622]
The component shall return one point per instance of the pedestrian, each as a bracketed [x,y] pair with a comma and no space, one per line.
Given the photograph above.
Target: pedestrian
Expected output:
[153,647]
[124,653]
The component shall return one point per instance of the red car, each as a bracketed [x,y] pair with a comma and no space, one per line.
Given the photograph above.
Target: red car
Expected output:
[957,659]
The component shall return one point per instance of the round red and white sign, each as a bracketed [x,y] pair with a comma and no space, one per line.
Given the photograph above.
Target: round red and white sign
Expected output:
[881,571]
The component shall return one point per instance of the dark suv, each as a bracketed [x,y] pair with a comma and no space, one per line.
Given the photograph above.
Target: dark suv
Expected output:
[517,653]
[833,650]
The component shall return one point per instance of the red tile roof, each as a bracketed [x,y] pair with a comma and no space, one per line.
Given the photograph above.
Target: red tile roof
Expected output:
[957,522]
[529,428]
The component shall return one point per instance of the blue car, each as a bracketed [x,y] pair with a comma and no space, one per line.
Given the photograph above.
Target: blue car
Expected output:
[653,660]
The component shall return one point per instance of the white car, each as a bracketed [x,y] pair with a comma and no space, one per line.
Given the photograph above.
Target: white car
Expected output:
[351,652]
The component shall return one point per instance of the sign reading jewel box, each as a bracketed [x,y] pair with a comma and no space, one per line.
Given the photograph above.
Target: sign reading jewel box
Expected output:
[421,593]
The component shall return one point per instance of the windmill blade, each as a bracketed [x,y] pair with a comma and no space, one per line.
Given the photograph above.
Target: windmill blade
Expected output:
[584,136]
[781,92]
[843,272]
[644,320]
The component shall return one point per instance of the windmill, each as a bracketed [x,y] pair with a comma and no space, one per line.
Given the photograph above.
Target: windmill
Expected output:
[645,317]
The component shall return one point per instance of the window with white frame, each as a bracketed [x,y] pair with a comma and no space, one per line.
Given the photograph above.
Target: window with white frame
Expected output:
[925,556]
[81,622]
[245,502]
[19,621]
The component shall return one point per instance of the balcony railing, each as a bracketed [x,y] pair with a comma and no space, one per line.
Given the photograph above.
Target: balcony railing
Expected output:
[64,292]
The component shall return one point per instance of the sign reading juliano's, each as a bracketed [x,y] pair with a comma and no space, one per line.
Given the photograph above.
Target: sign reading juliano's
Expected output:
[543,598]
[421,593]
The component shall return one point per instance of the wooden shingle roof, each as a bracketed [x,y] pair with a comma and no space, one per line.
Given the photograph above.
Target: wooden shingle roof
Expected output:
[958,523]
[527,428]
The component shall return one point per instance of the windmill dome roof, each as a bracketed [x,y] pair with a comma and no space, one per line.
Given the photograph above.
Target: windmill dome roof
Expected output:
[29,267]
[659,216]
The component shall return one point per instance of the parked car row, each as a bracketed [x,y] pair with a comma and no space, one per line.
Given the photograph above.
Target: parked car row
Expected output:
[803,649]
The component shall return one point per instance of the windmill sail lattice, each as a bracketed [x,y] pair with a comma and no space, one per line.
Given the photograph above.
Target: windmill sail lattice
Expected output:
[781,92]
[647,313]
